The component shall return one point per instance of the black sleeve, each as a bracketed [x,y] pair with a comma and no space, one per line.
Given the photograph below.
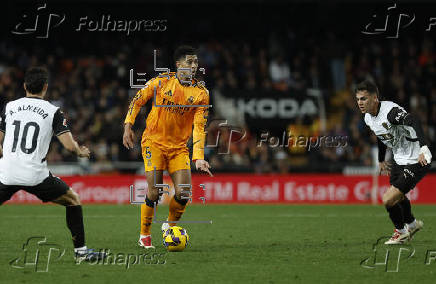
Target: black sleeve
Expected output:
[398,116]
[60,123]
[3,120]
[381,150]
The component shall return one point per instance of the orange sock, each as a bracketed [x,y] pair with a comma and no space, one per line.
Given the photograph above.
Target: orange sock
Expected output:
[176,210]
[147,213]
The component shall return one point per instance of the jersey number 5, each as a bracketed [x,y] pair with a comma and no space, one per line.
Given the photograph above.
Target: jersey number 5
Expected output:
[147,153]
[17,125]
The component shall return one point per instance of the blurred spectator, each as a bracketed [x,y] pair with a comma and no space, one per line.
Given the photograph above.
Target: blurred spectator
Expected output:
[280,73]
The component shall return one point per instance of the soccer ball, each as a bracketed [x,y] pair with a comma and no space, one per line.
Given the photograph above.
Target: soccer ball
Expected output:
[175,238]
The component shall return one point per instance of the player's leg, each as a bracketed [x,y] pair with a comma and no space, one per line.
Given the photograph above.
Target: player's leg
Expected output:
[413,225]
[154,164]
[6,192]
[403,179]
[74,217]
[149,207]
[182,186]
[55,190]
[412,174]
[391,200]
[179,168]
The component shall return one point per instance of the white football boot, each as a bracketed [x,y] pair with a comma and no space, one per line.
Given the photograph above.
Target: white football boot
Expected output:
[398,238]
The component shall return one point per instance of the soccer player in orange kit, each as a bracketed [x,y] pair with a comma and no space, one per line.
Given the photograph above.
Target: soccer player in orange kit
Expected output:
[168,128]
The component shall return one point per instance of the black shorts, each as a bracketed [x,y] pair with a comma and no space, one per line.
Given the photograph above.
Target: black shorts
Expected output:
[48,190]
[406,177]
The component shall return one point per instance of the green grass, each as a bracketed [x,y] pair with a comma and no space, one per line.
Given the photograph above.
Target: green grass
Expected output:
[245,244]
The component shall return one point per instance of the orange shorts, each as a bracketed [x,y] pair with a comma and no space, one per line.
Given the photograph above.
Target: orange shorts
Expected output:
[164,159]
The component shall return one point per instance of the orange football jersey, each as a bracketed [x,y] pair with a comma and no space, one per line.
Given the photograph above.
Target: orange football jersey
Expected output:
[169,124]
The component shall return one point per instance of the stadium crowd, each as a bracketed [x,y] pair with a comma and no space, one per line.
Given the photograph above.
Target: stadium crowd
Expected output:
[94,92]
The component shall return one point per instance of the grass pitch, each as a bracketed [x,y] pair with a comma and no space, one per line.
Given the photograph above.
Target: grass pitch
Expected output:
[244,244]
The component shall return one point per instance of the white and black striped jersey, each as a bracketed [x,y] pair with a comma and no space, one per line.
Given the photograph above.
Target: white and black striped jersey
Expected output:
[29,124]
[389,127]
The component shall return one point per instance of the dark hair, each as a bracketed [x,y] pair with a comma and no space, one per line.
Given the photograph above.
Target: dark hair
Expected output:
[35,79]
[368,86]
[182,51]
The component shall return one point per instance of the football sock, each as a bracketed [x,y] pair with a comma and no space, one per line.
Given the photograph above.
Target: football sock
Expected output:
[81,249]
[74,218]
[177,208]
[402,231]
[396,215]
[412,224]
[407,210]
[147,213]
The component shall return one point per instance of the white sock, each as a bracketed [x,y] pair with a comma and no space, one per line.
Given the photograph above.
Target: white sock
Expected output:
[412,225]
[81,249]
[403,230]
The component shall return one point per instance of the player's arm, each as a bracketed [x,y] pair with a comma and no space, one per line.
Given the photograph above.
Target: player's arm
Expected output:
[71,145]
[398,116]
[199,136]
[2,136]
[2,130]
[140,99]
[385,167]
[63,133]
